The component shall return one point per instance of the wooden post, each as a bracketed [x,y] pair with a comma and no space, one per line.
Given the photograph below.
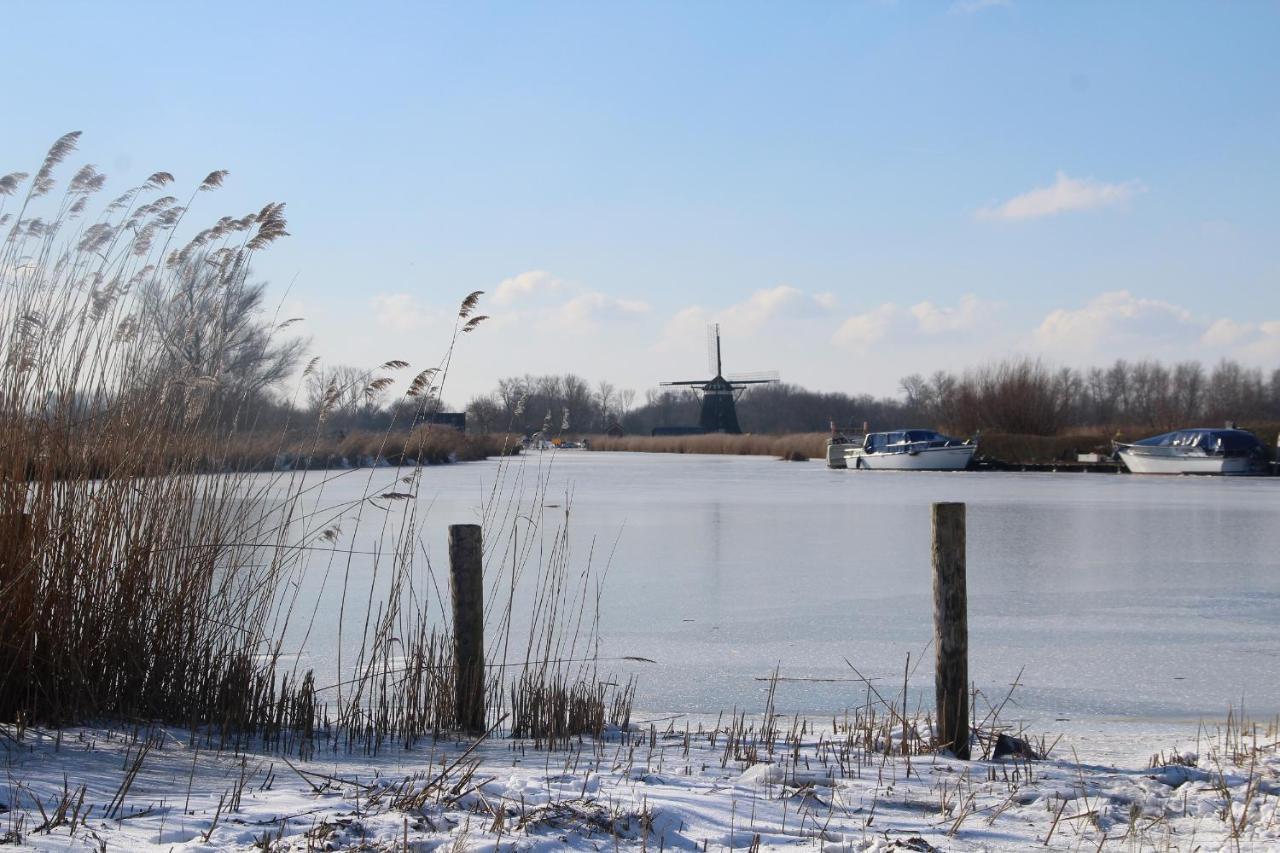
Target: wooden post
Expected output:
[466,584]
[951,629]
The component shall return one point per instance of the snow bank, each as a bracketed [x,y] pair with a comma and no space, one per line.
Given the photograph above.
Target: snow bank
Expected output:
[649,789]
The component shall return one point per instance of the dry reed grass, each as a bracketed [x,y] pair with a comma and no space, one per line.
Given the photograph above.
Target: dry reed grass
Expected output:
[131,589]
[281,450]
[423,445]
[116,589]
[810,445]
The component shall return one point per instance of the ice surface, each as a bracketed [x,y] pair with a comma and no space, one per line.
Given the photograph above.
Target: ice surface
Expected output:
[1116,596]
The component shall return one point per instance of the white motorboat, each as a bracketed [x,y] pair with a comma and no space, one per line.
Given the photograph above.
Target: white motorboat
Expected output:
[901,450]
[1196,451]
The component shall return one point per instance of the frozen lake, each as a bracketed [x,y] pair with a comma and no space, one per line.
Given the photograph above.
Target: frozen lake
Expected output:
[1118,596]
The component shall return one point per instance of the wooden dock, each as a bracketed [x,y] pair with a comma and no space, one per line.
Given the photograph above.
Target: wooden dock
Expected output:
[1103,467]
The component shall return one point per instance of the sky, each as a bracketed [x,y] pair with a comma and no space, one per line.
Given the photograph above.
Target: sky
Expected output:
[855,191]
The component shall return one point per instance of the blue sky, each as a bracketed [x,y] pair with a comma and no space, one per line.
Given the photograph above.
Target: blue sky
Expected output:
[856,191]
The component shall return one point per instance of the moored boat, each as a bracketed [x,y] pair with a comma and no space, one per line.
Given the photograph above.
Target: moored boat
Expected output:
[837,445]
[1196,451]
[901,450]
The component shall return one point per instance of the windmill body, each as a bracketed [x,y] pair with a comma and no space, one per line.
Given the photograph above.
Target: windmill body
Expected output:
[720,394]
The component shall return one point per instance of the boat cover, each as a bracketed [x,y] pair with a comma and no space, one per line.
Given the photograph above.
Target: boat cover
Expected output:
[899,440]
[1226,440]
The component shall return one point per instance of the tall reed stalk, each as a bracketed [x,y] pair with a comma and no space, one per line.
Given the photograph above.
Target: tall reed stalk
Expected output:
[134,586]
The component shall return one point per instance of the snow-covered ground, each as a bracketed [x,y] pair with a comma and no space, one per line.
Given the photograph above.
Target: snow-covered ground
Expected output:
[664,785]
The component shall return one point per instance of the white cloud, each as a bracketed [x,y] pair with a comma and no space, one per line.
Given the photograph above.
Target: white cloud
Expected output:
[399,311]
[552,304]
[968,7]
[826,301]
[860,331]
[1064,194]
[687,327]
[936,319]
[747,317]
[1121,325]
[1225,332]
[683,329]
[525,284]
[1265,345]
[1250,341]
[1120,320]
[583,312]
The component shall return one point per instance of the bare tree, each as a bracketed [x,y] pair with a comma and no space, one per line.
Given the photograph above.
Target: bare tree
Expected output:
[1098,408]
[1188,391]
[606,393]
[1118,387]
[917,391]
[214,333]
[336,388]
[627,398]
[485,413]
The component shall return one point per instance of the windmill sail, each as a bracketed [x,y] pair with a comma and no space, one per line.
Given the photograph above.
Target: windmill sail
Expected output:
[713,348]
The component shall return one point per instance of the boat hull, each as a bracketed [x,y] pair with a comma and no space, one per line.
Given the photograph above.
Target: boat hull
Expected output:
[1144,463]
[927,459]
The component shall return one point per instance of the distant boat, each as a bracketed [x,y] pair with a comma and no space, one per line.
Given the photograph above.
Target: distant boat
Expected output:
[1196,451]
[901,450]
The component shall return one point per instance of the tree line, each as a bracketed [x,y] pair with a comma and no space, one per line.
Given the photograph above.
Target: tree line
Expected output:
[1029,396]
[1017,395]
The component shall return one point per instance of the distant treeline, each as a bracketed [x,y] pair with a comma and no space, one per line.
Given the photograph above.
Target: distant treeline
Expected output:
[1024,396]
[1029,397]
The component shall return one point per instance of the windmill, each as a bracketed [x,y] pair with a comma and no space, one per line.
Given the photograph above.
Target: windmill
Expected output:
[720,393]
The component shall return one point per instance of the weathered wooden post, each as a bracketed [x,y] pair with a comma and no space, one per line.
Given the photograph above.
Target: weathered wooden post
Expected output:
[951,628]
[466,584]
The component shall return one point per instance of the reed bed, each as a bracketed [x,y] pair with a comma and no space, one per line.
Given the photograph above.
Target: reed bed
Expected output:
[132,588]
[794,446]
[284,450]
[423,445]
[121,595]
